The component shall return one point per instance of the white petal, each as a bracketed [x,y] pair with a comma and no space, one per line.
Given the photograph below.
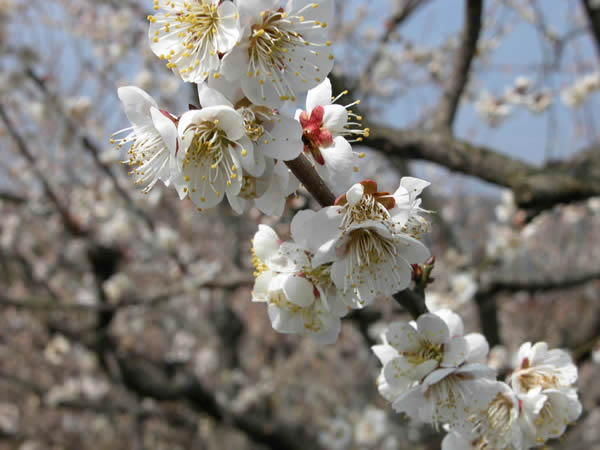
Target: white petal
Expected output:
[335,118]
[478,347]
[286,143]
[228,31]
[339,163]
[320,95]
[452,320]
[384,353]
[312,229]
[412,250]
[137,104]
[265,243]
[260,292]
[234,64]
[298,290]
[455,352]
[432,328]
[355,194]
[211,97]
[409,402]
[403,337]
[285,321]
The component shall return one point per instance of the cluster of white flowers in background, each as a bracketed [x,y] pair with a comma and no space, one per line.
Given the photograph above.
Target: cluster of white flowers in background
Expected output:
[250,61]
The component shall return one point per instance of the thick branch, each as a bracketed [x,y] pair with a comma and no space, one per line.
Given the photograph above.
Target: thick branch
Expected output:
[593,14]
[459,76]
[535,188]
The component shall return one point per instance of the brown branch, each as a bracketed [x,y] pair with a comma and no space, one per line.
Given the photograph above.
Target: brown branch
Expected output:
[593,15]
[459,75]
[486,297]
[408,8]
[535,188]
[308,176]
[69,222]
[92,149]
[41,304]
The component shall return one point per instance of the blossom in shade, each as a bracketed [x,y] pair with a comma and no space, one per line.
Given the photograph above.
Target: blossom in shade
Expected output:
[152,138]
[539,367]
[301,299]
[192,35]
[434,372]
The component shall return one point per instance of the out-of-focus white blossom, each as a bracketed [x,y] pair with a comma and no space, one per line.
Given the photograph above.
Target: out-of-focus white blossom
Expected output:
[493,110]
[371,427]
[117,287]
[337,435]
[517,93]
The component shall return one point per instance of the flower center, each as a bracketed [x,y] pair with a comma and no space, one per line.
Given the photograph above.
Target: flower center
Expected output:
[270,41]
[427,351]
[368,247]
[208,158]
[368,208]
[531,378]
[320,276]
[277,49]
[199,24]
[314,136]
[147,155]
[208,143]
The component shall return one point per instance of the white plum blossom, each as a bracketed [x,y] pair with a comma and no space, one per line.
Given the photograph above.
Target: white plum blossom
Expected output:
[557,409]
[407,210]
[267,192]
[153,137]
[274,134]
[517,94]
[192,35]
[505,423]
[337,435]
[325,126]
[539,102]
[301,299]
[432,371]
[371,427]
[539,367]
[371,256]
[213,148]
[276,138]
[282,51]
[493,110]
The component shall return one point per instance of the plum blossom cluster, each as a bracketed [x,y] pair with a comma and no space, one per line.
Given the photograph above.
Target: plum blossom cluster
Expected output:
[432,371]
[340,258]
[248,60]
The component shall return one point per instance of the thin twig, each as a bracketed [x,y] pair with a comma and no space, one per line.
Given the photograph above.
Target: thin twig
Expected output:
[459,75]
